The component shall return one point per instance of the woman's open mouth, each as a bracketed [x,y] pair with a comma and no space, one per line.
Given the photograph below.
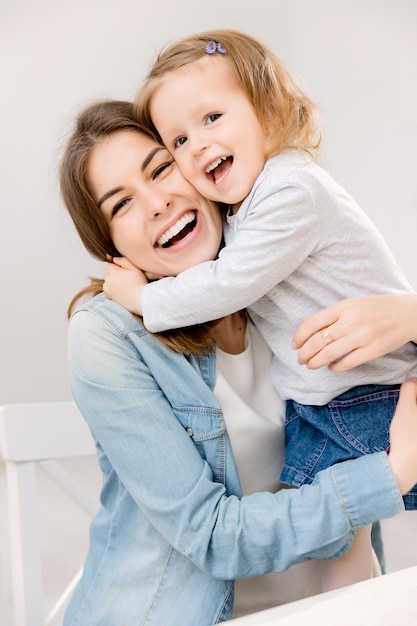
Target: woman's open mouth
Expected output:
[178,231]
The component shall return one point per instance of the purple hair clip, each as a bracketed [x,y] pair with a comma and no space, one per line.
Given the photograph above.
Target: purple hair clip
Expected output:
[213,46]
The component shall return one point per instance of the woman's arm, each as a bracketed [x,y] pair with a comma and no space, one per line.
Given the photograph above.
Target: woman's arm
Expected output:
[361,329]
[160,467]
[403,436]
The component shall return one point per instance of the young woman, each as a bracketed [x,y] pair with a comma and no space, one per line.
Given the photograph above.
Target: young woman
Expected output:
[186,507]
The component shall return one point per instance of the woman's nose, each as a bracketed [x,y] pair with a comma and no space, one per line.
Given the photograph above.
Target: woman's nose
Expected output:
[158,204]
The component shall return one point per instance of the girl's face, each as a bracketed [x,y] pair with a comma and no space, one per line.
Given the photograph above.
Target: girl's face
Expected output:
[209,126]
[156,218]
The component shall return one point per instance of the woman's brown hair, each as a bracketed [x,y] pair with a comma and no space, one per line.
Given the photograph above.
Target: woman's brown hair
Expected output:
[92,126]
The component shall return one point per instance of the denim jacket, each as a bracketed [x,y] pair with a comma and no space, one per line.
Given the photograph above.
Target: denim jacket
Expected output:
[173,530]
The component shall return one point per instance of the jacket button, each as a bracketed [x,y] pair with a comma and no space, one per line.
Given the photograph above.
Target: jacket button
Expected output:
[190,431]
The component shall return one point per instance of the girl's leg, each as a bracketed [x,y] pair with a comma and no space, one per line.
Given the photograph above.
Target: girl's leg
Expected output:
[360,563]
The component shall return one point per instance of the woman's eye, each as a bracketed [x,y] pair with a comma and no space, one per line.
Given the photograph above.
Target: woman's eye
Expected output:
[118,207]
[159,170]
[212,118]
[179,142]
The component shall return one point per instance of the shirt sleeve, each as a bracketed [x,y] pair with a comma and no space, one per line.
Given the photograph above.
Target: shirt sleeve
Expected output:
[158,464]
[279,230]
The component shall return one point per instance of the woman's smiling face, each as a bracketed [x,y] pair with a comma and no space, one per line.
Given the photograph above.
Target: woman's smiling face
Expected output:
[156,218]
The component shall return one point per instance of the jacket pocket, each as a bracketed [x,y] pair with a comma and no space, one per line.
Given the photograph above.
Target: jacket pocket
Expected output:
[206,427]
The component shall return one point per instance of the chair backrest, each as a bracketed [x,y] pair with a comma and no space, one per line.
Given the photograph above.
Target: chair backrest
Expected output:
[30,435]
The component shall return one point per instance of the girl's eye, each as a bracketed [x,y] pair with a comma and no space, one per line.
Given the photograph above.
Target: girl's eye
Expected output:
[159,170]
[179,142]
[212,118]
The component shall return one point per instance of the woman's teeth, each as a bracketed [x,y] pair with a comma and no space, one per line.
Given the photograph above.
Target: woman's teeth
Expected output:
[165,240]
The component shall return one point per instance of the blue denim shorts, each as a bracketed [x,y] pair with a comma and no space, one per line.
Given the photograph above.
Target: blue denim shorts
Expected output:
[353,424]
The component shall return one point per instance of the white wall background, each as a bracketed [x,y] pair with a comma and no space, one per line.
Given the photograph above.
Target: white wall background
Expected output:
[358,60]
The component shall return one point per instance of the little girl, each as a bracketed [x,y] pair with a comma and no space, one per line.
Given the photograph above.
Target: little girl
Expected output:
[244,134]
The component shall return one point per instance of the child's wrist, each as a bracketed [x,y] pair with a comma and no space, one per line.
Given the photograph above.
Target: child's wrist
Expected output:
[138,300]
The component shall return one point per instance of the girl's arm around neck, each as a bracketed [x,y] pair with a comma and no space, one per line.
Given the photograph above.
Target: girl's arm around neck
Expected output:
[261,255]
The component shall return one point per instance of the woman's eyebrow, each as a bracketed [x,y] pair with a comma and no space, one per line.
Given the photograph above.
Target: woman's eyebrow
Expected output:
[108,194]
[150,156]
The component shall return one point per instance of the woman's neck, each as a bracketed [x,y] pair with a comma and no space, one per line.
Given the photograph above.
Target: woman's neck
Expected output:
[229,333]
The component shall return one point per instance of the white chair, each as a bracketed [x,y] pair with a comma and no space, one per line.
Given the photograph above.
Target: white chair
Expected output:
[30,435]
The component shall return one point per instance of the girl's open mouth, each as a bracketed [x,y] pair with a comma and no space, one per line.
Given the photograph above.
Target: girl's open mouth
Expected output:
[218,170]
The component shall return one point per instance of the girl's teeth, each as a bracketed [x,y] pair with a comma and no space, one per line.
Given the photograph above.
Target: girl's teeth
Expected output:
[214,165]
[176,228]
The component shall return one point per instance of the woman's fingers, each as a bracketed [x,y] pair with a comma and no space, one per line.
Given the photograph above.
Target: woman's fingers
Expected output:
[320,349]
[313,324]
[356,330]
[316,353]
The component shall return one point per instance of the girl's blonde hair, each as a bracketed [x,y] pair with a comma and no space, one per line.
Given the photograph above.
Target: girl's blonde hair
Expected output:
[285,112]
[92,126]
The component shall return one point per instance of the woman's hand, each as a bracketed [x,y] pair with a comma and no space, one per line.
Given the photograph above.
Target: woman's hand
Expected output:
[123,283]
[403,436]
[356,330]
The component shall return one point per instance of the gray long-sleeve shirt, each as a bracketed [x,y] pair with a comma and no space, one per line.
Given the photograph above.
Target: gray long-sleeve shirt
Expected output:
[298,243]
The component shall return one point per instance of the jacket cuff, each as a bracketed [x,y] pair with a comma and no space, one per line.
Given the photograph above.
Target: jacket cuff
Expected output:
[368,489]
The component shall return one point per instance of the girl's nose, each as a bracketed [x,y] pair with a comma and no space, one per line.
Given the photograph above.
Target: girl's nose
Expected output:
[198,145]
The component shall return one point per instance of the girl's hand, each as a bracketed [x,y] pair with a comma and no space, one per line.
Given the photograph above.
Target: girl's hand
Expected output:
[403,436]
[123,283]
[150,276]
[356,330]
